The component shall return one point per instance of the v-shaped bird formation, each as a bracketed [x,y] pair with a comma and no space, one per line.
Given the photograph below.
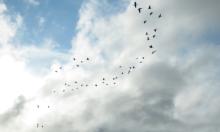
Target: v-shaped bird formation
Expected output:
[123,70]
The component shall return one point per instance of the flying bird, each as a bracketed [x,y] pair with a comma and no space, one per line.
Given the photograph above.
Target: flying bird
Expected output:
[148,38]
[145,21]
[149,7]
[154,51]
[74,59]
[160,16]
[87,59]
[155,30]
[154,36]
[151,46]
[146,33]
[151,13]
[139,10]
[135,4]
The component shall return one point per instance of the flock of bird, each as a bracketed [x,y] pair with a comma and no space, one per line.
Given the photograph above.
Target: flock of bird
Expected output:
[104,81]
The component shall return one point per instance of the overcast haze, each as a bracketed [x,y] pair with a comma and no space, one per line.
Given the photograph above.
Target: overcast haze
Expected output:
[177,89]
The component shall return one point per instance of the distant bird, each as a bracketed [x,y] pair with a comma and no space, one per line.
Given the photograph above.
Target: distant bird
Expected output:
[96,85]
[142,57]
[56,71]
[129,71]
[139,10]
[145,21]
[81,61]
[38,106]
[103,79]
[42,126]
[133,67]
[86,85]
[74,59]
[122,73]
[81,85]
[160,16]
[48,107]
[120,66]
[135,4]
[154,36]
[77,65]
[151,13]
[151,46]
[155,30]
[146,33]
[154,51]
[75,82]
[136,58]
[87,59]
[114,83]
[149,7]
[148,38]
[140,62]
[60,67]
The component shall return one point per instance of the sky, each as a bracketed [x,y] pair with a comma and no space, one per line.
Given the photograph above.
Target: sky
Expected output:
[175,90]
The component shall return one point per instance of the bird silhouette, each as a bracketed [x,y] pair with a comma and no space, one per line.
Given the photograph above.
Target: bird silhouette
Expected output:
[151,46]
[151,13]
[160,16]
[139,10]
[155,30]
[146,33]
[154,36]
[145,21]
[135,4]
[149,7]
[154,51]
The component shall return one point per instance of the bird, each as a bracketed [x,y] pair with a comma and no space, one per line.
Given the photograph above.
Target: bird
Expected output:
[77,65]
[139,10]
[155,30]
[148,38]
[103,79]
[60,67]
[135,4]
[56,71]
[74,59]
[87,59]
[151,46]
[154,51]
[75,82]
[81,61]
[140,62]
[86,85]
[42,126]
[142,57]
[120,66]
[38,106]
[154,36]
[149,7]
[145,21]
[133,67]
[159,15]
[122,73]
[48,107]
[146,33]
[129,71]
[151,13]
[96,85]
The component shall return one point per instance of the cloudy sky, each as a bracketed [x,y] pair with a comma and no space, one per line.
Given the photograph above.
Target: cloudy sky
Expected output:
[174,90]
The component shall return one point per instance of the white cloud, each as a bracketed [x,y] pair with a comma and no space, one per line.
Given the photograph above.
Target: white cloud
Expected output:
[33,2]
[174,90]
